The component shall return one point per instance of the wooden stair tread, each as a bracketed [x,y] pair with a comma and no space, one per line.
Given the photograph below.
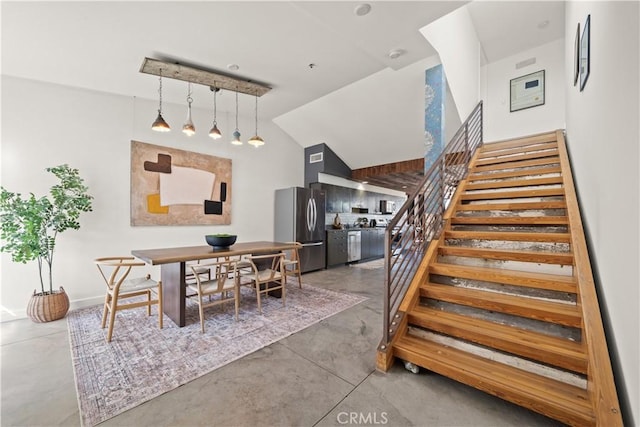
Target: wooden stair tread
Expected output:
[551,350]
[517,157]
[511,220]
[518,194]
[511,236]
[543,257]
[517,150]
[515,183]
[549,397]
[517,164]
[508,277]
[512,174]
[519,142]
[512,206]
[532,308]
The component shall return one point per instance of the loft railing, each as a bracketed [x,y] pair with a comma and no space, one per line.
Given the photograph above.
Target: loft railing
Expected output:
[420,219]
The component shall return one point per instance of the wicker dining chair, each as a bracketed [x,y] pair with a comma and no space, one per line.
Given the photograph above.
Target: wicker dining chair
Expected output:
[115,272]
[291,263]
[223,280]
[267,279]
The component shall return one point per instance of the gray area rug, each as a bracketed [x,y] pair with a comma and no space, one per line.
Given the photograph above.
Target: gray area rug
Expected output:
[143,361]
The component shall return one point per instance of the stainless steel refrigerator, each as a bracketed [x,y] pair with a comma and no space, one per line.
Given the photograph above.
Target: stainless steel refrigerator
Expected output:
[299,217]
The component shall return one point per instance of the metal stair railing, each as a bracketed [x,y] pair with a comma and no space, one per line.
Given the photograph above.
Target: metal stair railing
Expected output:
[420,219]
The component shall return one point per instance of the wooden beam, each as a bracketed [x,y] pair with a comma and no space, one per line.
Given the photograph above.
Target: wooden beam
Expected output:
[203,77]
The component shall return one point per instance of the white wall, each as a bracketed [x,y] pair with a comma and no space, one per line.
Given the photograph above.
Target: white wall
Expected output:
[454,38]
[46,125]
[603,138]
[499,122]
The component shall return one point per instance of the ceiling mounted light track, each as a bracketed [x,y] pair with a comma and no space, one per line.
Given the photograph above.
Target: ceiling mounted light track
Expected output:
[186,73]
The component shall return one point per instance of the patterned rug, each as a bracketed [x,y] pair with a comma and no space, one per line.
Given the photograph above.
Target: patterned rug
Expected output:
[143,361]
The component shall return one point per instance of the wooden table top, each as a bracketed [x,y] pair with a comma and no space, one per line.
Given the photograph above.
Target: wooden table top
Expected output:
[193,253]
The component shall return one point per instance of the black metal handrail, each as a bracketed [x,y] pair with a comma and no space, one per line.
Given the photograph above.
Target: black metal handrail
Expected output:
[420,218]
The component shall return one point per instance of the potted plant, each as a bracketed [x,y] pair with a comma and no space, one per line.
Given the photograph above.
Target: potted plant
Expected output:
[29,227]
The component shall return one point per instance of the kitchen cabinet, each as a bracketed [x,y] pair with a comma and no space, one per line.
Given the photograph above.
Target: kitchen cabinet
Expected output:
[365,248]
[379,242]
[372,243]
[338,199]
[358,198]
[336,247]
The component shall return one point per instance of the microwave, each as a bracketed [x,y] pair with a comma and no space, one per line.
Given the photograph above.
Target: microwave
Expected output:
[387,206]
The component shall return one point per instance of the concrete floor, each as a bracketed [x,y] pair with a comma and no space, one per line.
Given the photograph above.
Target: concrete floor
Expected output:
[322,376]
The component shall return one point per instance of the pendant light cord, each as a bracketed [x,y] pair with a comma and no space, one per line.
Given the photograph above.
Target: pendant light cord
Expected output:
[256,111]
[236,108]
[160,91]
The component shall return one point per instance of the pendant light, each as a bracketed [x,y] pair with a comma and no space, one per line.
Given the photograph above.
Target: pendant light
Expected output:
[256,141]
[160,125]
[236,133]
[215,132]
[188,128]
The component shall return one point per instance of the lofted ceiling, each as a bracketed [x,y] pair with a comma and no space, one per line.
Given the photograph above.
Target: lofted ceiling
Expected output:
[100,46]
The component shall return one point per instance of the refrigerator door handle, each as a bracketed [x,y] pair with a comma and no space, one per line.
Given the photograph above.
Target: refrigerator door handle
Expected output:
[313,244]
[309,215]
[315,214]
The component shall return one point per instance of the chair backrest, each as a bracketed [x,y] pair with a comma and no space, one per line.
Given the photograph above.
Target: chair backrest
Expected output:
[114,270]
[220,272]
[292,254]
[276,260]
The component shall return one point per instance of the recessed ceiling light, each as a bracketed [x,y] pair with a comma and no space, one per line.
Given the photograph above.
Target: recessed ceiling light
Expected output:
[233,67]
[543,24]
[362,9]
[396,53]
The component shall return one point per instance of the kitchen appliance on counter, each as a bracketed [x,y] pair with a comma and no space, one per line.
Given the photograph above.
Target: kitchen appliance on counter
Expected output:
[382,222]
[299,217]
[387,206]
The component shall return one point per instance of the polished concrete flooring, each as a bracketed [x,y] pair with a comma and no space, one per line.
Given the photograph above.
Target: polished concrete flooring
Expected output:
[322,376]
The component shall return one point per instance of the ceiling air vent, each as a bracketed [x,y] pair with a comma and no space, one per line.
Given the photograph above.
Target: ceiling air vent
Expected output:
[316,157]
[526,62]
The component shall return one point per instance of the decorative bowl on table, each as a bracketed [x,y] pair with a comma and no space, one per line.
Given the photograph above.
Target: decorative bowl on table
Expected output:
[220,241]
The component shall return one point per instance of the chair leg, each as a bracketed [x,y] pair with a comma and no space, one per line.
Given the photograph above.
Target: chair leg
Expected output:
[160,307]
[201,313]
[284,294]
[112,316]
[105,311]
[299,279]
[237,299]
[258,297]
[148,302]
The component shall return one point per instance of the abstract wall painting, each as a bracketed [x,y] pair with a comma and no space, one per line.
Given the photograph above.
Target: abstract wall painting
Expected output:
[177,187]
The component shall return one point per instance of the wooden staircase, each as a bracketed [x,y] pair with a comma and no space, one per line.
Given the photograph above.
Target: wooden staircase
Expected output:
[504,299]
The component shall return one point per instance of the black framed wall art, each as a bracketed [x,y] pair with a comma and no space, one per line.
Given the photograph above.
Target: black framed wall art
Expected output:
[585,52]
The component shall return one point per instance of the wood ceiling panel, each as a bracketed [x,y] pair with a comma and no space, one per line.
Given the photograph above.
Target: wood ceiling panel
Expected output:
[400,176]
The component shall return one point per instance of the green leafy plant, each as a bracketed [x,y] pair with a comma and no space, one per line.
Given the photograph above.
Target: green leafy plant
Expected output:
[29,226]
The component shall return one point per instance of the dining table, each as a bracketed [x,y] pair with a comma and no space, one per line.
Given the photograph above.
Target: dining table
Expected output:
[172,262]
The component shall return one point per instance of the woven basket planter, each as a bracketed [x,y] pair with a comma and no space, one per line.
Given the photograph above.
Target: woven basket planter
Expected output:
[48,306]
